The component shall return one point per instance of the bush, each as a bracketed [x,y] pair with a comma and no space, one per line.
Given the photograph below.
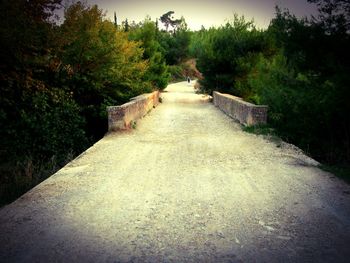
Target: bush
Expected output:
[299,68]
[225,55]
[176,73]
[157,72]
[56,81]
[305,93]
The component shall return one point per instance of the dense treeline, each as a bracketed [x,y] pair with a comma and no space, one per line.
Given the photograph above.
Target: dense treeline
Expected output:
[298,67]
[57,79]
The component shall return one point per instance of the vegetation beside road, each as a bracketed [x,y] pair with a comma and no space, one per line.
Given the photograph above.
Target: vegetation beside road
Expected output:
[298,67]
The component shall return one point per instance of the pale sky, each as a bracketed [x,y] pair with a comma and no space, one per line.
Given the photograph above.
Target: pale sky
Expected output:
[205,12]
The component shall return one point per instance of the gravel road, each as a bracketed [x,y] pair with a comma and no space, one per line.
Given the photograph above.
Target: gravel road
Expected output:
[187,185]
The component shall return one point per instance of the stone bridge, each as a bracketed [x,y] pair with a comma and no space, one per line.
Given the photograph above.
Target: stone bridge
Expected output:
[185,185]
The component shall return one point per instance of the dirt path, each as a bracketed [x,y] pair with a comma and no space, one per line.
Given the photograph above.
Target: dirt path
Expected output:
[187,185]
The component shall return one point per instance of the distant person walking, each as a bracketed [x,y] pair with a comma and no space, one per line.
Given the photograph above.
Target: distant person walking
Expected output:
[188,80]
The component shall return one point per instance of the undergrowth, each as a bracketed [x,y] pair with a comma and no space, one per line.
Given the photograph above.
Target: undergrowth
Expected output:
[18,177]
[340,171]
[266,131]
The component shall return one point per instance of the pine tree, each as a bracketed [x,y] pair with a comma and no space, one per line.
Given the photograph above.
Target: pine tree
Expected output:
[115,19]
[126,25]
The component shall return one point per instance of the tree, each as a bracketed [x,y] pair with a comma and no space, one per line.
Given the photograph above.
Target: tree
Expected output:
[306,83]
[334,15]
[41,125]
[157,26]
[99,64]
[126,25]
[225,55]
[115,19]
[175,44]
[168,20]
[157,72]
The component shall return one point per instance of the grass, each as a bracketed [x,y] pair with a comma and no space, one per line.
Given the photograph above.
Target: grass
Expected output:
[341,171]
[260,129]
[133,124]
[17,177]
[266,131]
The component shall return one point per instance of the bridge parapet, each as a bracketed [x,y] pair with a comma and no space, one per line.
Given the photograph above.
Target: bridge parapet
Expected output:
[246,113]
[122,117]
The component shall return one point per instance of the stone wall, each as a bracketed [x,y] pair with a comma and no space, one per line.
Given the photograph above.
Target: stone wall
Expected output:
[246,113]
[122,117]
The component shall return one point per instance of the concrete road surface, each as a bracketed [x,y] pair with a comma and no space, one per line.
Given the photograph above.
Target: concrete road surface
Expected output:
[187,185]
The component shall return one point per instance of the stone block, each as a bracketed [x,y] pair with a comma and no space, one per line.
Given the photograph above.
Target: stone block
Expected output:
[122,117]
[246,113]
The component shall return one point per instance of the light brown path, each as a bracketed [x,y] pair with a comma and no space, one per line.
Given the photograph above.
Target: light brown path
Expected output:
[187,185]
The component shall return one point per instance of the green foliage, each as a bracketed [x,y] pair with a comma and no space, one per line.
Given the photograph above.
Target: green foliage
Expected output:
[56,81]
[39,121]
[99,64]
[35,117]
[19,176]
[261,129]
[183,70]
[299,68]
[265,130]
[306,87]
[225,54]
[176,73]
[289,95]
[157,73]
[175,45]
[168,20]
[341,171]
